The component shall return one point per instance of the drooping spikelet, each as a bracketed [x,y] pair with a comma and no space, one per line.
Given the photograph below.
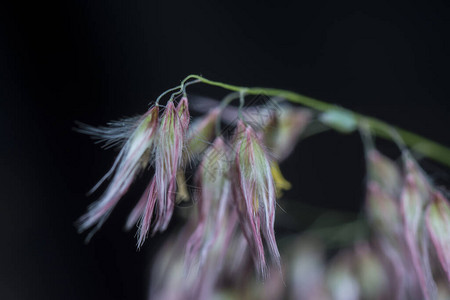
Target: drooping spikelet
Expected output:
[255,195]
[134,156]
[414,198]
[213,203]
[438,225]
[168,159]
[143,212]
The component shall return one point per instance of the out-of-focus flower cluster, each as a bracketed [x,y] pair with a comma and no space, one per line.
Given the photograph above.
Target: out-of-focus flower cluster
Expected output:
[406,255]
[410,218]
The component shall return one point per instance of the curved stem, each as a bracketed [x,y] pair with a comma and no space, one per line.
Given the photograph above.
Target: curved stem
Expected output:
[382,129]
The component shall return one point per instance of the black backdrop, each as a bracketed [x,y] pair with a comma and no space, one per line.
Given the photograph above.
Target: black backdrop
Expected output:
[94,61]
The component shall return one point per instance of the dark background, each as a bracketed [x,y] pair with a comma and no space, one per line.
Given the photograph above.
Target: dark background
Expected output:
[94,61]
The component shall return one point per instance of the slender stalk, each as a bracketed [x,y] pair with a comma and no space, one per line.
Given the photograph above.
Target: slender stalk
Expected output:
[382,129]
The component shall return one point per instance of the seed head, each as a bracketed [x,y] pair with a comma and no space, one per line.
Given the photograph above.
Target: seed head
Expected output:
[413,201]
[213,203]
[255,195]
[168,159]
[438,226]
[134,156]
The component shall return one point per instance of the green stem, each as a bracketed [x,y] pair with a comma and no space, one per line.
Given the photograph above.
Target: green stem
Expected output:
[382,129]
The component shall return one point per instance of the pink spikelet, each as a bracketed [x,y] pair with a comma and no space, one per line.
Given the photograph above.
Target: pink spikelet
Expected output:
[133,157]
[183,114]
[383,212]
[384,184]
[143,213]
[168,159]
[146,218]
[413,201]
[214,205]
[137,211]
[384,172]
[255,195]
[438,225]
